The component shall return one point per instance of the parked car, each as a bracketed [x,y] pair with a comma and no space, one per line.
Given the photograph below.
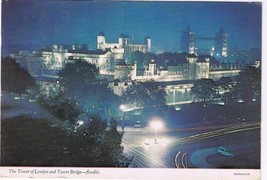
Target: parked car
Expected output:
[137,124]
[224,152]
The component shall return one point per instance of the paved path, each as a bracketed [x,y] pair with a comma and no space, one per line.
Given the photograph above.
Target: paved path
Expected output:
[198,158]
[22,107]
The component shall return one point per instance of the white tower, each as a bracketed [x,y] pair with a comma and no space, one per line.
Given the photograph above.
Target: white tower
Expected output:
[123,40]
[191,59]
[148,43]
[152,68]
[101,41]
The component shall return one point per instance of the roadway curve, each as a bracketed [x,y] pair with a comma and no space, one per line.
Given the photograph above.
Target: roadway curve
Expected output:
[174,153]
[199,156]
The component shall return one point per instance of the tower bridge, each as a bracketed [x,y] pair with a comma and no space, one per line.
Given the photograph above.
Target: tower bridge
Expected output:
[218,49]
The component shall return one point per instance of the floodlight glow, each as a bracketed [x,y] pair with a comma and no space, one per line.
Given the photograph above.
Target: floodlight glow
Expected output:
[80,123]
[156,124]
[122,107]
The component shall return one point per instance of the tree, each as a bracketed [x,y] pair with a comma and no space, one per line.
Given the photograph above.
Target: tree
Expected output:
[225,89]
[80,84]
[37,143]
[248,85]
[105,148]
[76,77]
[144,95]
[203,90]
[62,108]
[156,94]
[14,78]
[108,102]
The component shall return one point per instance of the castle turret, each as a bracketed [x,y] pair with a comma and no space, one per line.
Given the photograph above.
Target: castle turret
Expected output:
[152,68]
[191,59]
[123,40]
[148,43]
[221,45]
[134,71]
[188,41]
[75,46]
[101,41]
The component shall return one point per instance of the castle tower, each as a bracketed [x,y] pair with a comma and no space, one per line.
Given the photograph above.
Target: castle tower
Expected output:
[134,70]
[100,41]
[191,59]
[188,41]
[220,43]
[75,46]
[148,43]
[123,40]
[152,68]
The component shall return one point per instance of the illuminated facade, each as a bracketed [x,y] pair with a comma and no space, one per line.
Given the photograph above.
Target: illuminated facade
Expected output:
[123,48]
[192,69]
[175,77]
[54,57]
[101,59]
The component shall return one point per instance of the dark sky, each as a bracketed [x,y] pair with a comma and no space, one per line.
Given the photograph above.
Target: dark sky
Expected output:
[65,22]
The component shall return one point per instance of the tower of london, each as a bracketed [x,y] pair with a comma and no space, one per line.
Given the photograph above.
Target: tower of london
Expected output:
[117,65]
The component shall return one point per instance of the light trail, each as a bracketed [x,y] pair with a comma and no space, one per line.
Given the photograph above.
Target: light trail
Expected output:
[176,160]
[211,134]
[219,132]
[182,160]
[143,159]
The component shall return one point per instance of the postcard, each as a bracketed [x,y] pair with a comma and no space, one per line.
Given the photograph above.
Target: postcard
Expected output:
[131,89]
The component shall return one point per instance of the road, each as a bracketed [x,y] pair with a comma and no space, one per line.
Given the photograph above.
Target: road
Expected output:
[182,148]
[23,107]
[175,148]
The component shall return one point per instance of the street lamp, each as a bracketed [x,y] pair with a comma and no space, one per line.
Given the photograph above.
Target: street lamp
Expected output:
[156,125]
[80,123]
[122,108]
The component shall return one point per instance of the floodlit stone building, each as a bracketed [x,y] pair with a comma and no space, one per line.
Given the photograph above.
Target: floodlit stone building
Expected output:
[123,48]
[176,77]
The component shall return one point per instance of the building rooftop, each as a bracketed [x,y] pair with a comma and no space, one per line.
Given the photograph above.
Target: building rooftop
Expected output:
[169,83]
[191,56]
[81,51]
[203,58]
[121,62]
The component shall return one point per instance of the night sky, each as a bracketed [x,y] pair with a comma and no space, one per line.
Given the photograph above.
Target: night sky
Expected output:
[66,22]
